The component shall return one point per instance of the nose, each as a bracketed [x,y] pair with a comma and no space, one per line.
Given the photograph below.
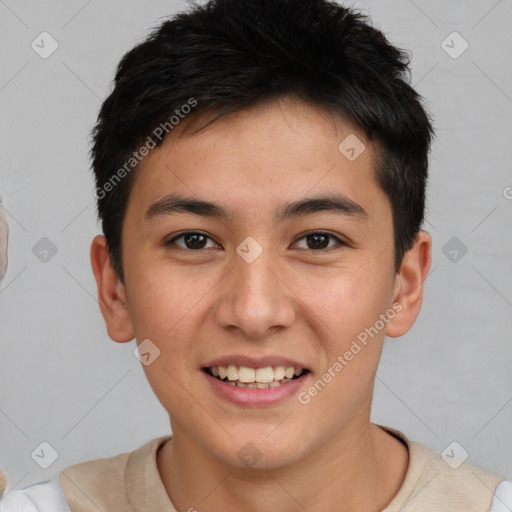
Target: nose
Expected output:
[255,298]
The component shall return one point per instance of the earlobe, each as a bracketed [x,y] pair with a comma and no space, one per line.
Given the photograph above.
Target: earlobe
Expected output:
[409,285]
[111,293]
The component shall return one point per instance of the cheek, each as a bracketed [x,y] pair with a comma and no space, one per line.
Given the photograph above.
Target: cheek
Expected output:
[347,300]
[162,305]
[346,311]
[166,310]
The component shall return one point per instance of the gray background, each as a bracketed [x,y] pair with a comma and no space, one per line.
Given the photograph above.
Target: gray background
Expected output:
[63,381]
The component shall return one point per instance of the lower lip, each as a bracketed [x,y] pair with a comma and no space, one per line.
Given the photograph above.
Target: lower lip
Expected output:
[255,397]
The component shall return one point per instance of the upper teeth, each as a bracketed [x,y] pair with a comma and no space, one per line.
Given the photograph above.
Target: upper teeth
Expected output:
[248,375]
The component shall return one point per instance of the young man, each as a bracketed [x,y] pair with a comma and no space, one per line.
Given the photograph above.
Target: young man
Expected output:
[261,171]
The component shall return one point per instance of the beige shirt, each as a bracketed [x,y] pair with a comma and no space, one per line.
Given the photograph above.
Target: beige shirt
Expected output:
[130,482]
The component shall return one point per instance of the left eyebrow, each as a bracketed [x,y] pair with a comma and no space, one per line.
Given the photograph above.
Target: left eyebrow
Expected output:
[339,204]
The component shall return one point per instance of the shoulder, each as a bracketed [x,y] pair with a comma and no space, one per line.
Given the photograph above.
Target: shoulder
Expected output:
[97,484]
[114,483]
[36,498]
[447,482]
[453,485]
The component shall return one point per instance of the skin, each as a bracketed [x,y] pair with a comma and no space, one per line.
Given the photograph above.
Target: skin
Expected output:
[292,301]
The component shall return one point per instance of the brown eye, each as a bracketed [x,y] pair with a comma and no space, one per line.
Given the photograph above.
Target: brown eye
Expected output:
[192,240]
[319,241]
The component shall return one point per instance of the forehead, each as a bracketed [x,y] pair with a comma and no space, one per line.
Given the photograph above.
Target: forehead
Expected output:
[260,155]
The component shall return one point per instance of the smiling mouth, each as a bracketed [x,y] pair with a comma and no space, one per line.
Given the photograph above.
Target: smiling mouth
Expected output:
[255,378]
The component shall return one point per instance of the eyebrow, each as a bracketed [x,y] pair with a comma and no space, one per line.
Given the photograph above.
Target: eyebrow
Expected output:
[332,203]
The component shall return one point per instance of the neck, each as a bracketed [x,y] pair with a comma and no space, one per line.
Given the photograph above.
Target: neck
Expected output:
[337,476]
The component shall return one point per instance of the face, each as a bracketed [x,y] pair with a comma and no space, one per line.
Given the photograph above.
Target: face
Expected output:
[268,283]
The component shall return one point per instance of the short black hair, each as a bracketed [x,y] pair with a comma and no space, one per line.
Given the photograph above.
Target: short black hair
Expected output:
[229,55]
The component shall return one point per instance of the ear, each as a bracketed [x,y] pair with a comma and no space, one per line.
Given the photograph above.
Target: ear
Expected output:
[409,282]
[111,293]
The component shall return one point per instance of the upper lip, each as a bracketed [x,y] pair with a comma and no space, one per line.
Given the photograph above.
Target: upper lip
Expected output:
[254,362]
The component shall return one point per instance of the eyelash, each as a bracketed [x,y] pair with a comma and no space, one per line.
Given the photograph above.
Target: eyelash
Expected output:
[329,249]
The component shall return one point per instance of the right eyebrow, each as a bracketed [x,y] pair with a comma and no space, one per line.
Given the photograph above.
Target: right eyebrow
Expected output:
[174,203]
